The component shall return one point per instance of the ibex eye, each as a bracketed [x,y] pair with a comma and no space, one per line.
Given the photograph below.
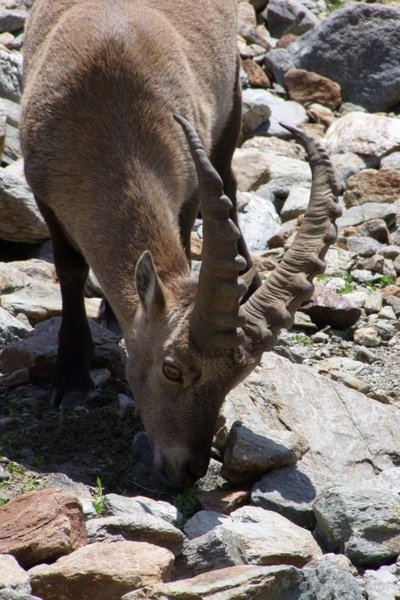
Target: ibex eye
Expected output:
[172,372]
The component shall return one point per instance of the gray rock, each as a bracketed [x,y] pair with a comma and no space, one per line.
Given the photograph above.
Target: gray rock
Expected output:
[11,329]
[12,148]
[274,145]
[10,74]
[296,203]
[286,173]
[270,538]
[258,222]
[289,16]
[350,436]
[384,328]
[361,520]
[251,535]
[203,522]
[341,49]
[346,165]
[21,220]
[289,492]
[11,20]
[116,505]
[350,366]
[394,302]
[241,582]
[384,583]
[78,489]
[390,160]
[256,109]
[371,210]
[135,528]
[248,454]
[282,111]
[38,350]
[12,110]
[13,576]
[30,287]
[363,246]
[216,549]
[390,251]
[367,336]
[387,312]
[10,594]
[325,579]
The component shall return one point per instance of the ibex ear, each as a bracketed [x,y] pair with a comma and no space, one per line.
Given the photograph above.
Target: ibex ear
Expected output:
[149,287]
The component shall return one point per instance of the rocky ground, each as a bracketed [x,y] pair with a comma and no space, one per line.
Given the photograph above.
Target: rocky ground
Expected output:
[302,496]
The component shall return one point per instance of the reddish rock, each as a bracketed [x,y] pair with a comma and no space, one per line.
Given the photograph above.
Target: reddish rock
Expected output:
[307,87]
[251,168]
[42,525]
[371,185]
[196,246]
[256,75]
[223,501]
[391,290]
[320,114]
[326,307]
[102,571]
[286,40]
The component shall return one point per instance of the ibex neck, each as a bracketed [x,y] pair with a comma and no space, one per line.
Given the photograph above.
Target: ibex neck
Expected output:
[146,215]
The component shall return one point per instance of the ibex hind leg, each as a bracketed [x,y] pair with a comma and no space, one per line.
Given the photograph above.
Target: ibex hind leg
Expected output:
[72,380]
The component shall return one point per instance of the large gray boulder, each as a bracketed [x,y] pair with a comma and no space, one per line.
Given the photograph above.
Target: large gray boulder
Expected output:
[358,47]
[363,521]
[351,437]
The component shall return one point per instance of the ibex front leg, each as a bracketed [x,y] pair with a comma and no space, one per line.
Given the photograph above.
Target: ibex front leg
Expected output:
[72,381]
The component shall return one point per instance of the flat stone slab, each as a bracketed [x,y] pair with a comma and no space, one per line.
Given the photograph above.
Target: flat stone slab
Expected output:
[102,571]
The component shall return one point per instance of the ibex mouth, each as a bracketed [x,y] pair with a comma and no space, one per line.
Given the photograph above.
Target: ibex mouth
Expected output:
[177,468]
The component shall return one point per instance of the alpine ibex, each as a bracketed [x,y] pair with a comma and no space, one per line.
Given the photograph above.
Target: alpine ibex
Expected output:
[112,173]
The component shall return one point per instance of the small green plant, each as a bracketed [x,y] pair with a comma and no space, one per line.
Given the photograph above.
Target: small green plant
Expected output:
[98,498]
[302,339]
[4,501]
[187,503]
[13,467]
[348,285]
[32,485]
[335,5]
[378,284]
[387,280]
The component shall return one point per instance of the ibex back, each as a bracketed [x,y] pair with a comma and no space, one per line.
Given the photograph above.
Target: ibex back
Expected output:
[120,182]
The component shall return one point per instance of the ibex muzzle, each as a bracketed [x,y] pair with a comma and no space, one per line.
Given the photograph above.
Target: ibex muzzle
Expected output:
[120,182]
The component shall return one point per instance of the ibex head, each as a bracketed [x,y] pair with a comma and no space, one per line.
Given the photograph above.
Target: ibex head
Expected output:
[194,341]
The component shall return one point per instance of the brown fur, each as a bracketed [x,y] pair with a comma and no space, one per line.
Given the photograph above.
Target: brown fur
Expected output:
[112,174]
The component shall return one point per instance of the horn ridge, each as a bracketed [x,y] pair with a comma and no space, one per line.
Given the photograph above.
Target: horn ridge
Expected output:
[274,304]
[215,322]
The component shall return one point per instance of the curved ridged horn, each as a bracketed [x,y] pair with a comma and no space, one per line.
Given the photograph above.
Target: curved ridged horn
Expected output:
[273,305]
[215,322]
